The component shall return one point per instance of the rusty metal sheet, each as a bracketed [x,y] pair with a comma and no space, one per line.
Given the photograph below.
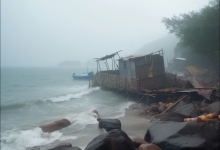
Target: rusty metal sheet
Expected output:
[205,93]
[196,83]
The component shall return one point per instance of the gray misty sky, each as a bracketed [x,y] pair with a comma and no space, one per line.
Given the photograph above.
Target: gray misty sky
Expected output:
[45,32]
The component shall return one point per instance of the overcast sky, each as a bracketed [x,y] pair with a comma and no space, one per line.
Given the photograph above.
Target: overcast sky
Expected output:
[45,32]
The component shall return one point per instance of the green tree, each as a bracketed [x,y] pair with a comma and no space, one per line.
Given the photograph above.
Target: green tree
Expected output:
[199,31]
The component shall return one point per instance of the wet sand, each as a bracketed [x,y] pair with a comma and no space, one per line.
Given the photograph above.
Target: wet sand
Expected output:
[133,124]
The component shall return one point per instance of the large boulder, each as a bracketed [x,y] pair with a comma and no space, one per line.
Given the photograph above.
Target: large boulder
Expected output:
[114,140]
[56,125]
[65,146]
[214,107]
[109,124]
[179,112]
[186,110]
[183,135]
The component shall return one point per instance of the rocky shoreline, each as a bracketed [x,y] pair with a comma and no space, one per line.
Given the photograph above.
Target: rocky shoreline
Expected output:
[167,131]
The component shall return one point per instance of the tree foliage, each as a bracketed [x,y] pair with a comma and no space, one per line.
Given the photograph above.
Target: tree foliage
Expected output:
[198,30]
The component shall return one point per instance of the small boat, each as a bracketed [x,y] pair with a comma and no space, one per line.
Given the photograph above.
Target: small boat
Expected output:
[89,75]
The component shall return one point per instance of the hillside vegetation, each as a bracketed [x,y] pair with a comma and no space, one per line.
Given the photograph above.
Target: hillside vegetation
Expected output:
[199,35]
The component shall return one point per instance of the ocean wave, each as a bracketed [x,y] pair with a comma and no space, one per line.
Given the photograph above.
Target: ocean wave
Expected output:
[84,118]
[20,105]
[122,110]
[21,139]
[72,96]
[12,106]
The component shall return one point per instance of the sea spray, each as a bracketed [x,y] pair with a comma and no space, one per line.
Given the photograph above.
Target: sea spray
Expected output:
[81,120]
[21,139]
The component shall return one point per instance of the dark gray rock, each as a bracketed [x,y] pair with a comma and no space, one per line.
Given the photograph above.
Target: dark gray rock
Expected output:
[154,107]
[183,136]
[33,148]
[109,124]
[204,103]
[65,146]
[162,107]
[186,110]
[56,125]
[214,107]
[203,109]
[114,140]
[152,113]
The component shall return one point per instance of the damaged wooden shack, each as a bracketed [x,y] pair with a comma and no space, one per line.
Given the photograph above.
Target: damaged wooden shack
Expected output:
[143,77]
[133,73]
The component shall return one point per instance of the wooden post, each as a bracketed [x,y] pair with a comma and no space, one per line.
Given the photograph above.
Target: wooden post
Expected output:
[89,81]
[97,66]
[112,63]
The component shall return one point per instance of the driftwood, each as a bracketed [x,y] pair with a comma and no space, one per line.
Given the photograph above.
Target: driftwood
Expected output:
[140,99]
[181,98]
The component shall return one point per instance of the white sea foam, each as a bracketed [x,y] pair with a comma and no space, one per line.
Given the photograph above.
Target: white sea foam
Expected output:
[123,109]
[72,96]
[84,118]
[19,140]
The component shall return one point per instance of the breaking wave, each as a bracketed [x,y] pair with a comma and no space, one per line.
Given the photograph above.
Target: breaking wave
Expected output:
[83,119]
[22,139]
[121,111]
[72,96]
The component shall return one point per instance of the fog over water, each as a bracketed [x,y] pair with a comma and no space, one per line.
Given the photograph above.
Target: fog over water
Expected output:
[44,33]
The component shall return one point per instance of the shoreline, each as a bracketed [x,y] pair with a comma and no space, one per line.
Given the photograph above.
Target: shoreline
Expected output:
[133,124]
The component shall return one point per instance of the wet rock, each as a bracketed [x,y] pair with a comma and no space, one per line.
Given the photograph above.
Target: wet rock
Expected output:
[183,135]
[211,121]
[204,103]
[202,109]
[149,146]
[65,146]
[33,148]
[56,125]
[172,117]
[186,110]
[196,103]
[109,124]
[75,148]
[154,107]
[214,107]
[162,107]
[114,140]
[152,113]
[137,141]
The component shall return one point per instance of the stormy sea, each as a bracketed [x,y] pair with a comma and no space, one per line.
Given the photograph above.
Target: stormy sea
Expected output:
[31,97]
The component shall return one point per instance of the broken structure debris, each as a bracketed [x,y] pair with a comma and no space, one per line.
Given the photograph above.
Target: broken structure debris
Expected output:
[145,75]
